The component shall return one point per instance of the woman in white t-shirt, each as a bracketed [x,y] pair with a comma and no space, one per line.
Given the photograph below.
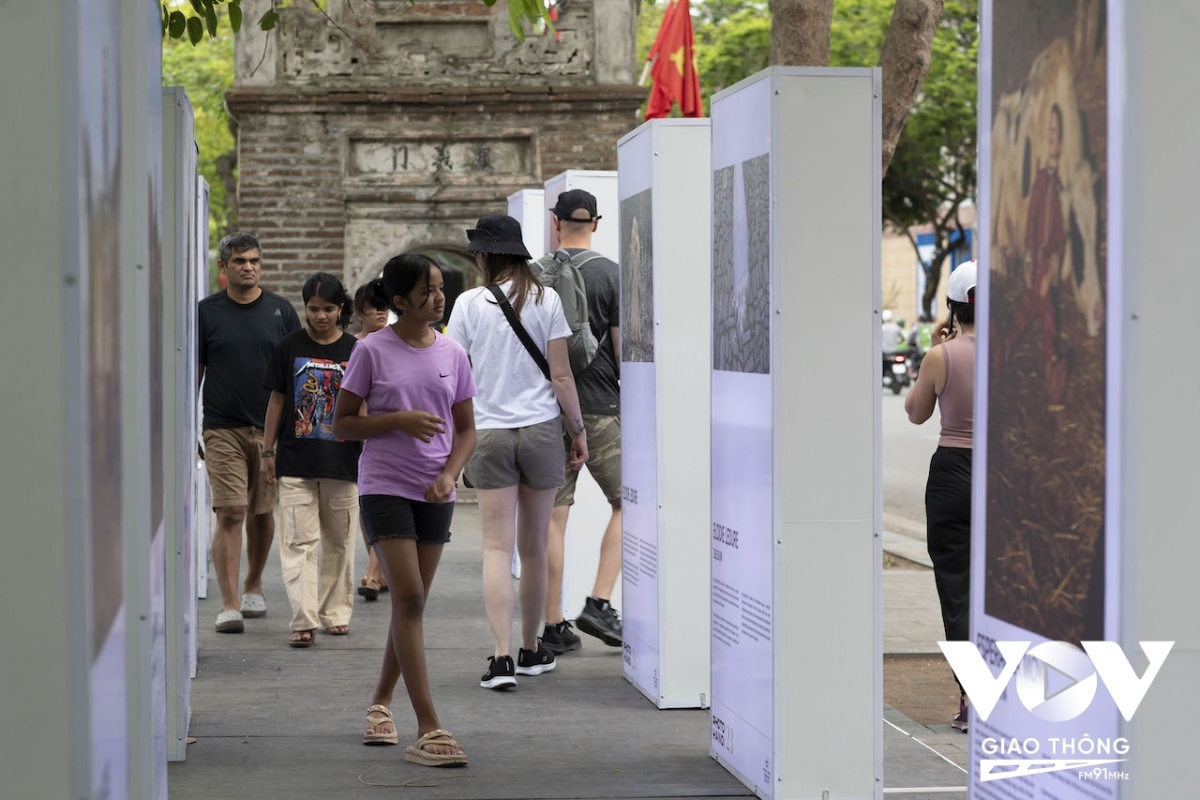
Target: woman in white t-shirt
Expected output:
[518,462]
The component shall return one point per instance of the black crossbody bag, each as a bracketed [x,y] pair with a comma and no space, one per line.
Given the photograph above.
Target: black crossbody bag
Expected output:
[511,315]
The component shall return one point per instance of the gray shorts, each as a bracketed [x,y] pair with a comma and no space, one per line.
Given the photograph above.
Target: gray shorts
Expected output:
[530,456]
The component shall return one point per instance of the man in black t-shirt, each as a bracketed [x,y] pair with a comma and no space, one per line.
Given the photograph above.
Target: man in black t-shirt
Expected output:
[238,330]
[599,387]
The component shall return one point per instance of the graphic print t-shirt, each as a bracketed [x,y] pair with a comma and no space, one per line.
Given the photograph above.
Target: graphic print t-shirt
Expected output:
[308,375]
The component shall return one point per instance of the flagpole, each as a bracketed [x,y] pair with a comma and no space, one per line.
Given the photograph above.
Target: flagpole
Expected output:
[646,71]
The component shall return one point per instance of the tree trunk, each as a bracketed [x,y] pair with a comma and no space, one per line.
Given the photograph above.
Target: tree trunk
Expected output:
[800,32]
[904,62]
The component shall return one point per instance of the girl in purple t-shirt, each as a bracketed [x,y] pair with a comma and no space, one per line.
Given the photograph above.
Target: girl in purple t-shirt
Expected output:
[413,381]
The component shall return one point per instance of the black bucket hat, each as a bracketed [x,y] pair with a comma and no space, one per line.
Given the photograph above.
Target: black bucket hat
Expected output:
[497,233]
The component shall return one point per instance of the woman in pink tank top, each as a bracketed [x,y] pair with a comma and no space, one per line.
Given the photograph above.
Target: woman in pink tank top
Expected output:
[947,381]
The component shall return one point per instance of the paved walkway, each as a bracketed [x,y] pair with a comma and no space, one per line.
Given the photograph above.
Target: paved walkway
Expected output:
[272,721]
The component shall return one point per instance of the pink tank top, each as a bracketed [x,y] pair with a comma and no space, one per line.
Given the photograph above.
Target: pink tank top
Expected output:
[957,400]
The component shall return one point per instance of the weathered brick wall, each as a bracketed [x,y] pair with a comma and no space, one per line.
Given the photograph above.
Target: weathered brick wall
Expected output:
[318,169]
[395,126]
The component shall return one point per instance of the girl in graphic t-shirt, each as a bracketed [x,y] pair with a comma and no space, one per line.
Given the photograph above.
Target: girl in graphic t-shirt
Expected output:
[371,310]
[318,499]
[419,431]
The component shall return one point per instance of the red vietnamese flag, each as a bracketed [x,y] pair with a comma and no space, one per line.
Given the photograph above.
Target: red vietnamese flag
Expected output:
[674,59]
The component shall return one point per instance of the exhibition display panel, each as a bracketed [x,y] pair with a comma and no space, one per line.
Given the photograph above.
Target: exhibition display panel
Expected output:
[528,207]
[591,511]
[665,367]
[796,542]
[181,229]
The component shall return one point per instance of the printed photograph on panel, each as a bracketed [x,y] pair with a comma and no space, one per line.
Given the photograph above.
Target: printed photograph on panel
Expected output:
[1046,396]
[637,279]
[741,267]
[99,143]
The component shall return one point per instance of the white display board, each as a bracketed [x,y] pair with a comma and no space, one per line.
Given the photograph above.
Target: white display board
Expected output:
[60,167]
[180,266]
[1152,182]
[796,471]
[1046,561]
[141,168]
[528,207]
[665,367]
[591,511]
[202,511]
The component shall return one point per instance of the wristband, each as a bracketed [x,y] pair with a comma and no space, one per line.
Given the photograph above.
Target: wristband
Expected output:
[268,454]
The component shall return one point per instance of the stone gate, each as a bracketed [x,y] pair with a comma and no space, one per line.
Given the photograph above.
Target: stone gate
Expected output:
[380,127]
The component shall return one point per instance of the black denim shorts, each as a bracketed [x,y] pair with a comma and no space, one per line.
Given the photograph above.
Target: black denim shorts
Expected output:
[386,516]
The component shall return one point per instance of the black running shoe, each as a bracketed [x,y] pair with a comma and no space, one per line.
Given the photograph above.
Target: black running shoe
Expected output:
[500,674]
[534,662]
[600,619]
[960,721]
[559,638]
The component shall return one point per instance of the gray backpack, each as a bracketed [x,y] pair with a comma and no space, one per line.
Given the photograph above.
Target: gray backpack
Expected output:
[560,272]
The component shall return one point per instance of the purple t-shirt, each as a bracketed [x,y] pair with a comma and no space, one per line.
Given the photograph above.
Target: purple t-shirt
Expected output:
[390,375]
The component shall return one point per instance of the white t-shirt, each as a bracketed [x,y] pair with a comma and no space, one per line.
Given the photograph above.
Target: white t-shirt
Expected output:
[512,391]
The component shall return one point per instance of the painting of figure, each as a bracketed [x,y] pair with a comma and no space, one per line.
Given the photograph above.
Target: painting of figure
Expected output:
[1046,338]
[637,278]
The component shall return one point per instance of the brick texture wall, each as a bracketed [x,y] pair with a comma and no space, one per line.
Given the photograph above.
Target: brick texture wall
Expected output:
[300,184]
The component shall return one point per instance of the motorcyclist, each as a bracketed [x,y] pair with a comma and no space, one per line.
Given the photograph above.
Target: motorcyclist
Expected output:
[893,342]
[920,339]
[893,338]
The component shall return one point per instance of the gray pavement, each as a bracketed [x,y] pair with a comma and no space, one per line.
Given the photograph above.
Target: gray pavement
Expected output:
[272,721]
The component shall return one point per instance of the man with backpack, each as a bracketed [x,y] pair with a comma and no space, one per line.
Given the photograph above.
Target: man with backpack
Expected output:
[589,285]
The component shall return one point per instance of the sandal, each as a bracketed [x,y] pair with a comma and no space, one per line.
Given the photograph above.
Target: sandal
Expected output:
[230,622]
[254,606]
[338,630]
[419,754]
[371,589]
[301,638]
[380,727]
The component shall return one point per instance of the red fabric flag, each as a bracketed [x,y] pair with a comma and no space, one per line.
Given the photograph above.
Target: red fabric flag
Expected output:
[674,71]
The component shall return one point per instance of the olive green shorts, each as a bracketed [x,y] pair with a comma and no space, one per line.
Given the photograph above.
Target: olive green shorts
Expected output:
[604,459]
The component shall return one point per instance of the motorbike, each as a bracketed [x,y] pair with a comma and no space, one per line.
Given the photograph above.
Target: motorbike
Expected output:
[896,371]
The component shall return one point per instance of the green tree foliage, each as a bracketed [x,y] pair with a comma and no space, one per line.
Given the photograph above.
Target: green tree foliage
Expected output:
[206,71]
[933,170]
[731,44]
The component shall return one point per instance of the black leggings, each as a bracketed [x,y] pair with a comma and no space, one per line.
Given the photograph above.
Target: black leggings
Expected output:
[948,536]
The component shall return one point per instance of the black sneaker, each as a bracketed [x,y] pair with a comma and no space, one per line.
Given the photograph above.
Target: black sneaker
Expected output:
[600,619]
[960,721]
[534,662]
[559,638]
[500,674]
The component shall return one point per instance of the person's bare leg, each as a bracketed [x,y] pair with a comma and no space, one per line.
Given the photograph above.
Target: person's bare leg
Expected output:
[260,532]
[610,558]
[227,554]
[374,577]
[556,547]
[533,524]
[497,513]
[410,568]
[389,674]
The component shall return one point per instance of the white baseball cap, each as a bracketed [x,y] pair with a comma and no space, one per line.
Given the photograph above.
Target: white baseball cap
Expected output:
[962,281]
